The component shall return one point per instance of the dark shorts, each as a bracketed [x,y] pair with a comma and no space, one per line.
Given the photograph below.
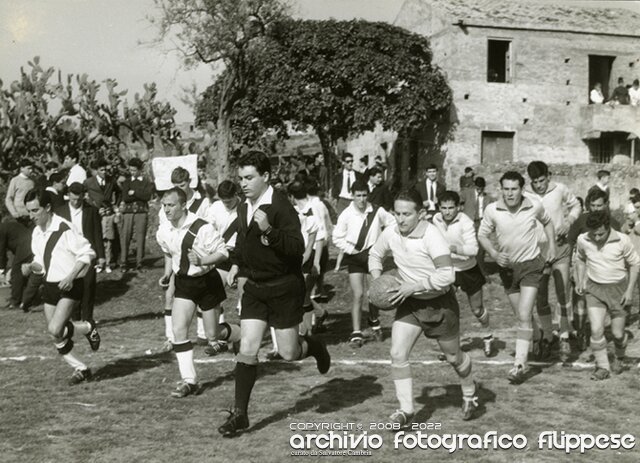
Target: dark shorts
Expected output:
[470,281]
[607,297]
[226,265]
[521,274]
[278,302]
[357,263]
[308,265]
[51,294]
[439,317]
[206,291]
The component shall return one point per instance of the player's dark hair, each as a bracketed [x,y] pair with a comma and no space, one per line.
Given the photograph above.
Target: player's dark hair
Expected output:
[179,175]
[182,196]
[603,173]
[311,184]
[467,170]
[359,185]
[227,189]
[598,219]
[26,162]
[512,175]
[449,196]
[257,159]
[373,171]
[537,169]
[57,177]
[51,165]
[596,194]
[43,196]
[347,155]
[297,190]
[431,166]
[76,188]
[135,162]
[73,154]
[480,182]
[410,196]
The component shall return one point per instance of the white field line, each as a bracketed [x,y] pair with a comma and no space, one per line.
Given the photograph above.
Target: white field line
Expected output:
[346,362]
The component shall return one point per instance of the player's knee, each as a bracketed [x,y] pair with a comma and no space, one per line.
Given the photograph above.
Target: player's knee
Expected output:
[56,330]
[398,355]
[289,352]
[179,333]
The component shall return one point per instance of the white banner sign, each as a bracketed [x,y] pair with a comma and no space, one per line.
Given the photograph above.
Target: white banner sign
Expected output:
[162,168]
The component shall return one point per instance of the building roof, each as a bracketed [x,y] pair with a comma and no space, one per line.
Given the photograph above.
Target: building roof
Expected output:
[534,15]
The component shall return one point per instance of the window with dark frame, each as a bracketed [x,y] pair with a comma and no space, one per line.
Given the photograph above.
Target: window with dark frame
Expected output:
[499,61]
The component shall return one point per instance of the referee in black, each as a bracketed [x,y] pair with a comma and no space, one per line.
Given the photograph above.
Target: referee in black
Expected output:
[268,252]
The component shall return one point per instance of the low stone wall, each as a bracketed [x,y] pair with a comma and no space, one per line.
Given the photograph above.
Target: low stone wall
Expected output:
[578,177]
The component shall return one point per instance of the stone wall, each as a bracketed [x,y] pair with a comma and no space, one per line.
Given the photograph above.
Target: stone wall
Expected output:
[578,177]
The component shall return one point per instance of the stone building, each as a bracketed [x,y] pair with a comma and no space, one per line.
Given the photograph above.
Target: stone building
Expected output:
[521,73]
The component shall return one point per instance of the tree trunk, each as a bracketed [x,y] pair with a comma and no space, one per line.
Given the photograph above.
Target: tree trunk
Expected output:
[221,155]
[405,159]
[327,150]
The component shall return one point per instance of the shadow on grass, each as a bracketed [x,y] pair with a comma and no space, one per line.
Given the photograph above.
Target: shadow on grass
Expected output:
[128,366]
[130,318]
[329,397]
[107,289]
[451,398]
[264,369]
[477,343]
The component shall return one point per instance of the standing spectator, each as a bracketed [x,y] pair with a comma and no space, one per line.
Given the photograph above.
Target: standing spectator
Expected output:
[321,173]
[430,189]
[42,179]
[102,193]
[342,182]
[86,220]
[620,94]
[206,185]
[76,171]
[379,194]
[15,236]
[596,96]
[56,188]
[19,186]
[136,193]
[466,181]
[602,184]
[474,201]
[634,93]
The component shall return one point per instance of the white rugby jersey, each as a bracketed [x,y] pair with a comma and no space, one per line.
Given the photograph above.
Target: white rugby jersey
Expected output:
[221,218]
[201,212]
[350,222]
[207,241]
[72,247]
[308,222]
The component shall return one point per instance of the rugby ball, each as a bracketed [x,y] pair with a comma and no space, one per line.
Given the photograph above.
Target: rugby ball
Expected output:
[379,294]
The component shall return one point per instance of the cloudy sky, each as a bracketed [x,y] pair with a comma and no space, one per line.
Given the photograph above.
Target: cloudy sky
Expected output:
[106,39]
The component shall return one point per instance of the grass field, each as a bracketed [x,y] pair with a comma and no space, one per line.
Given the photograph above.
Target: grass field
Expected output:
[127,415]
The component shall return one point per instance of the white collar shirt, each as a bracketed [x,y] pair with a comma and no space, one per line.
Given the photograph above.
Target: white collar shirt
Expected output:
[265,199]
[207,242]
[71,248]
[221,218]
[351,221]
[76,218]
[460,233]
[202,211]
[308,222]
[322,215]
[348,178]
[608,263]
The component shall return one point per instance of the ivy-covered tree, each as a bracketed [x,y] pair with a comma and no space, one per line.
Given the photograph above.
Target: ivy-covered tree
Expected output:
[224,32]
[43,118]
[339,78]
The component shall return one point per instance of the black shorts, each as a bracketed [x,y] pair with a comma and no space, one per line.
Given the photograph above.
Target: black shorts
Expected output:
[439,317]
[226,265]
[308,265]
[528,273]
[357,263]
[51,294]
[206,291]
[470,281]
[278,301]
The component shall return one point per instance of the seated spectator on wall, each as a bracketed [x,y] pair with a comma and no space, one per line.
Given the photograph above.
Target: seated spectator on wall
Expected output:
[596,96]
[467,180]
[620,94]
[602,183]
[634,93]
[18,188]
